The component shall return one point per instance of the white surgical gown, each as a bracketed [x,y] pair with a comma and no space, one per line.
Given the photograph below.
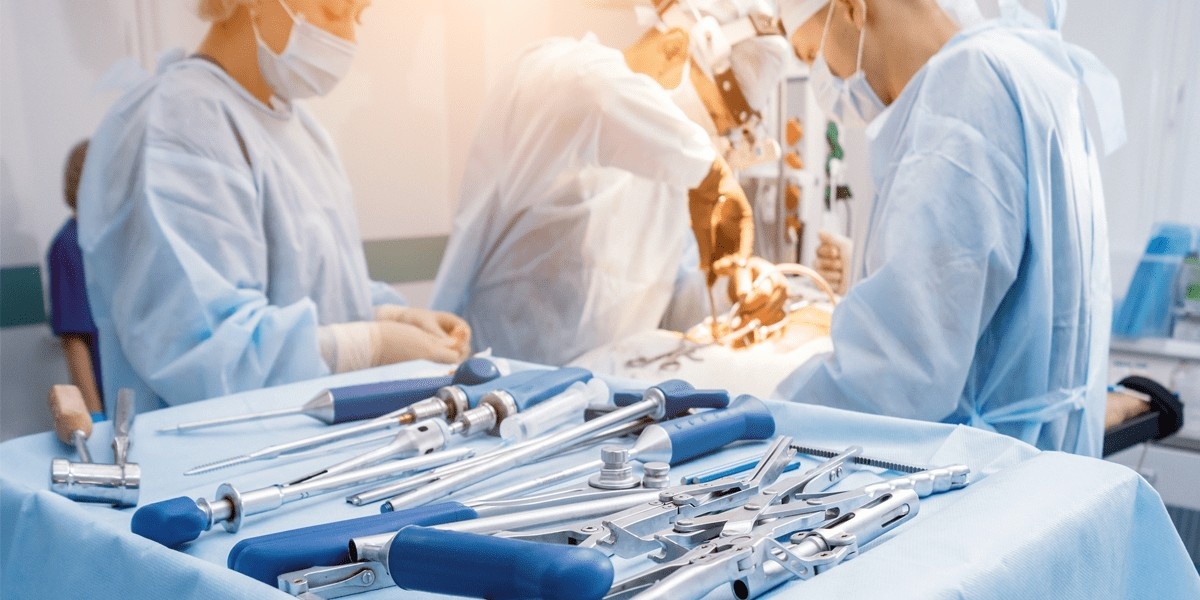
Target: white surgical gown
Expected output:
[984,296]
[218,233]
[573,221]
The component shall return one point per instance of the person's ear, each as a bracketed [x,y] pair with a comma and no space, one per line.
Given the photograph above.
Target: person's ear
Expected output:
[856,10]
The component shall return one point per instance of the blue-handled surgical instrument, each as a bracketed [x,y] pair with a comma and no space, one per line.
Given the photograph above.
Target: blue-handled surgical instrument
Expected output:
[364,401]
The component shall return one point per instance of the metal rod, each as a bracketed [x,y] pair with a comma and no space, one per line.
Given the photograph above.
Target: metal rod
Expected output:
[522,454]
[266,414]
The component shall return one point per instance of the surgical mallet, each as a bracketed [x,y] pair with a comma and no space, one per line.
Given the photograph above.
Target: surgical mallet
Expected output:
[72,422]
[117,484]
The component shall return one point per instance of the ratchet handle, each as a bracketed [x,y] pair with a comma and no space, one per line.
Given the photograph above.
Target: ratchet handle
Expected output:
[679,396]
[468,564]
[748,418]
[548,385]
[266,557]
[370,400]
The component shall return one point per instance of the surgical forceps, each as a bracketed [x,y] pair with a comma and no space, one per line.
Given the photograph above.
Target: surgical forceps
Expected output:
[671,361]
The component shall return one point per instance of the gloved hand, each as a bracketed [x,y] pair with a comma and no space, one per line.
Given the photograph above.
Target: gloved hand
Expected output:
[436,323]
[363,344]
[721,218]
[833,260]
[759,290]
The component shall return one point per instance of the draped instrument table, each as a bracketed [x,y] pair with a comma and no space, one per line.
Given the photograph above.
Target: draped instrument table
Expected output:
[1031,524]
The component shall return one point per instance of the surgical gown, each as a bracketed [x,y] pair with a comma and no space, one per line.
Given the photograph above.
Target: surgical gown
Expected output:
[984,296]
[572,230]
[218,233]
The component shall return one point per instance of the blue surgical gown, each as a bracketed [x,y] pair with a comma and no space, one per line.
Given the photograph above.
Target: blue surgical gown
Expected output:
[984,294]
[218,233]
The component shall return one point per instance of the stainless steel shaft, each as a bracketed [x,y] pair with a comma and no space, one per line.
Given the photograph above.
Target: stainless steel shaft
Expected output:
[522,454]
[231,505]
[219,421]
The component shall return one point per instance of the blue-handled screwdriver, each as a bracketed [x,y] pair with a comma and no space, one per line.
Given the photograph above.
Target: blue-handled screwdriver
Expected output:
[365,401]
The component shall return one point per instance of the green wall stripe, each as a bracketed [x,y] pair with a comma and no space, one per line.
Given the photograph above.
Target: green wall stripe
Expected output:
[21,297]
[405,260]
[393,261]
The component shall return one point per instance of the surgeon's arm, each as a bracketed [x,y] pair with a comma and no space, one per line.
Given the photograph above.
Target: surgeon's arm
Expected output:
[947,248]
[182,264]
[641,131]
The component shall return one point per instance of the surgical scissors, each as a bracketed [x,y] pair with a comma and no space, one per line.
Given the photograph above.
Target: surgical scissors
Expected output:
[671,361]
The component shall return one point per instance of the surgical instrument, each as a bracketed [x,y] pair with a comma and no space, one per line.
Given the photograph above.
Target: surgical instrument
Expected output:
[467,393]
[494,407]
[119,483]
[412,483]
[686,523]
[72,422]
[667,399]
[567,407]
[754,563]
[122,422]
[265,557]
[411,555]
[739,466]
[675,441]
[368,400]
[179,520]
[731,547]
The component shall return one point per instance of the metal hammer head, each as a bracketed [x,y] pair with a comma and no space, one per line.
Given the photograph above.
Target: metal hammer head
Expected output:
[117,485]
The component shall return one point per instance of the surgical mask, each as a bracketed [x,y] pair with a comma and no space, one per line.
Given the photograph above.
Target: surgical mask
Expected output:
[311,64]
[850,102]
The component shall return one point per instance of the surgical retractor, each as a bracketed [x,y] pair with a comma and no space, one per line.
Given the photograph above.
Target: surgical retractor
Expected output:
[368,400]
[179,520]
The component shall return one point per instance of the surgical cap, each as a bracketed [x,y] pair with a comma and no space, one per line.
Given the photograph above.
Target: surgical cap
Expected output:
[759,62]
[793,13]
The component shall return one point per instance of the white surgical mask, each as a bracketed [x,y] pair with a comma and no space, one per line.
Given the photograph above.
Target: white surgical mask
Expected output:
[311,64]
[850,102]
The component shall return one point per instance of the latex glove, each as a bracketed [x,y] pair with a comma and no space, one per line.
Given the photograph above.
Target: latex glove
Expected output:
[364,344]
[759,290]
[434,322]
[833,260]
[722,220]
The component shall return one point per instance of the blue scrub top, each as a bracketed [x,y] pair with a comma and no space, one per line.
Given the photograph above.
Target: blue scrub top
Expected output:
[69,310]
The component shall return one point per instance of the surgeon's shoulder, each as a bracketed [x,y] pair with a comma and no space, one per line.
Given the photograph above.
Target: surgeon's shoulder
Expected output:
[969,81]
[191,108]
[573,66]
